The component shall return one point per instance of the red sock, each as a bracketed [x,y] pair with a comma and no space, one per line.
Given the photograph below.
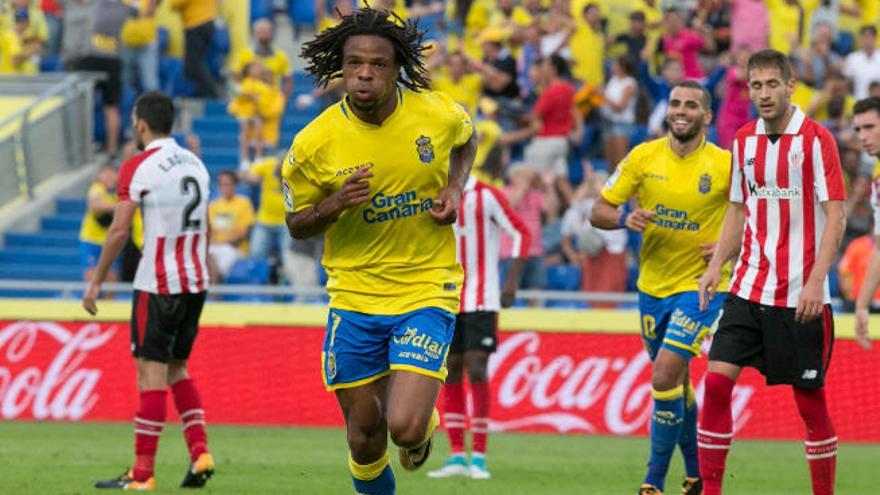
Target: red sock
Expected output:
[453,416]
[148,423]
[715,431]
[189,407]
[821,443]
[480,417]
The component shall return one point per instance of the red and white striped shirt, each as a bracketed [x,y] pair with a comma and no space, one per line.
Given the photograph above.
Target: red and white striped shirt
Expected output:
[171,185]
[483,212]
[781,186]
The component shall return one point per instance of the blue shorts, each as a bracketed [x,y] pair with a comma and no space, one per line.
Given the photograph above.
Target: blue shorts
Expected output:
[360,348]
[676,322]
[89,252]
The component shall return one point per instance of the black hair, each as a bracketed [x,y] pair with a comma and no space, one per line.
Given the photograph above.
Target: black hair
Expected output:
[324,53]
[157,110]
[559,65]
[629,65]
[868,27]
[771,59]
[866,105]
[228,173]
[690,83]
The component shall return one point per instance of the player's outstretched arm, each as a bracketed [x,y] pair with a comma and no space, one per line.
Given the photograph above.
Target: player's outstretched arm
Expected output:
[869,287]
[726,249]
[461,160]
[314,220]
[811,300]
[117,236]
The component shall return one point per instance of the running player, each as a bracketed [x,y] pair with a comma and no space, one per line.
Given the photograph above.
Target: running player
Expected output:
[787,193]
[381,174]
[866,121]
[485,212]
[170,185]
[681,184]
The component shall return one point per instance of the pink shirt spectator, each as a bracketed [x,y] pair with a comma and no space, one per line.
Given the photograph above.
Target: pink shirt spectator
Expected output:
[685,47]
[736,110]
[529,210]
[749,24]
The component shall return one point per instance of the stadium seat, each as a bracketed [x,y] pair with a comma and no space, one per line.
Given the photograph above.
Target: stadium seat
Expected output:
[248,271]
[302,14]
[262,9]
[71,206]
[638,137]
[51,63]
[563,277]
[61,222]
[567,304]
[163,40]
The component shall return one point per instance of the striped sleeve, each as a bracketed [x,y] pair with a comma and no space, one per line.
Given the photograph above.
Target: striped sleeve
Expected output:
[508,220]
[827,171]
[736,176]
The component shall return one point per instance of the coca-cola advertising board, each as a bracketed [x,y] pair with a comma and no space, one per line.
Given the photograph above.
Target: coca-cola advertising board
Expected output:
[566,382]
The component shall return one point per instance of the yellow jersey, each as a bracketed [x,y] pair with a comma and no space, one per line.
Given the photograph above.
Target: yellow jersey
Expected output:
[277,62]
[387,256]
[785,20]
[91,230]
[688,197]
[588,52]
[194,13]
[466,92]
[228,217]
[271,211]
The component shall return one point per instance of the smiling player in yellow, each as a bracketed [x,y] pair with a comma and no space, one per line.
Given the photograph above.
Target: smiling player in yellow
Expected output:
[681,184]
[381,174]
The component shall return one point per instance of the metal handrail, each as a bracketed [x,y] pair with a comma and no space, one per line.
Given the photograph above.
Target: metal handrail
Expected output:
[61,86]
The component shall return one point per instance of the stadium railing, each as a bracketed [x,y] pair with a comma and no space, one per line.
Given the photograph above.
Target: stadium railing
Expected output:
[54,105]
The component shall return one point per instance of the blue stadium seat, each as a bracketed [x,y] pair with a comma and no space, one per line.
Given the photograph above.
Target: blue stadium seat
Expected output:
[61,222]
[248,271]
[262,9]
[302,13]
[163,40]
[170,74]
[40,272]
[567,304]
[39,256]
[639,136]
[43,239]
[51,63]
[563,277]
[216,125]
[70,206]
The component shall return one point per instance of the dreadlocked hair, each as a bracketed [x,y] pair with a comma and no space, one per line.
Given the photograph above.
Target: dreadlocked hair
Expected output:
[324,53]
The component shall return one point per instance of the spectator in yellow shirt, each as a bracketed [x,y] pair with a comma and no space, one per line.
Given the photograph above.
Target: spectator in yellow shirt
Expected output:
[463,86]
[588,47]
[245,107]
[231,217]
[264,52]
[198,24]
[101,200]
[270,232]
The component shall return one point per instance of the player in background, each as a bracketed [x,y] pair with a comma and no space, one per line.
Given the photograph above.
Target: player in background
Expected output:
[381,174]
[484,213]
[866,121]
[171,186]
[681,183]
[787,194]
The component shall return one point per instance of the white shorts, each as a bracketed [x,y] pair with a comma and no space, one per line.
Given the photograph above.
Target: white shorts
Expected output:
[225,255]
[548,153]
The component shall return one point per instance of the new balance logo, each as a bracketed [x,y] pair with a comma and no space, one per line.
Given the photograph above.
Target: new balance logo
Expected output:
[809,375]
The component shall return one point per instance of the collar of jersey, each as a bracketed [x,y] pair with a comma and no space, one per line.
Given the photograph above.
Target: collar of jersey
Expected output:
[793,126]
[351,117]
[690,155]
[158,143]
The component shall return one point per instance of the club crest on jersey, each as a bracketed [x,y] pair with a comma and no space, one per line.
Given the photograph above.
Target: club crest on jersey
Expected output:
[795,158]
[705,183]
[425,149]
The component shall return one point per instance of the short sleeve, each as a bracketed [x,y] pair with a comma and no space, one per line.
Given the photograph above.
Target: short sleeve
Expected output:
[736,190]
[827,171]
[132,179]
[463,127]
[299,186]
[624,182]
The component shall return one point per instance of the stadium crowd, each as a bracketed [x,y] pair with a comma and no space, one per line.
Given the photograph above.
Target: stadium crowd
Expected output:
[560,91]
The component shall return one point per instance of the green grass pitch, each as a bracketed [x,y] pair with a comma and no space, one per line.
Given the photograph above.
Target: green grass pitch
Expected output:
[64,458]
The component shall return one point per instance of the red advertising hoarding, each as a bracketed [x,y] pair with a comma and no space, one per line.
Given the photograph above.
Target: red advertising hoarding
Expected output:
[541,381]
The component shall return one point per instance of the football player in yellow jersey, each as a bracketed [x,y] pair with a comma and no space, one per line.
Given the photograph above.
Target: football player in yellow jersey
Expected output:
[681,184]
[381,175]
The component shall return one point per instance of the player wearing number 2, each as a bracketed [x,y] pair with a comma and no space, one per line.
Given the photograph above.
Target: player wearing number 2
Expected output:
[170,184]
